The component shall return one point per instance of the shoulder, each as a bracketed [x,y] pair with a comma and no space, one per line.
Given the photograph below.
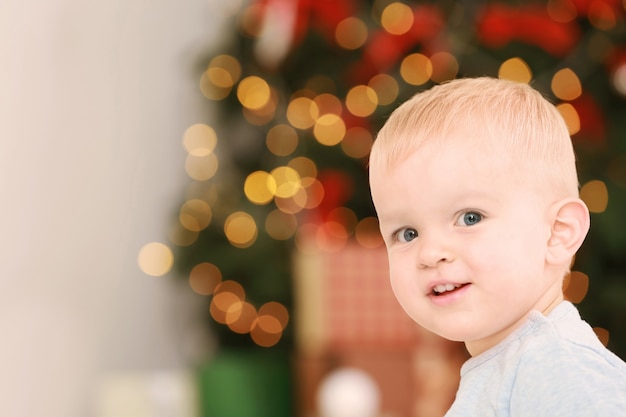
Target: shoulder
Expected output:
[562,370]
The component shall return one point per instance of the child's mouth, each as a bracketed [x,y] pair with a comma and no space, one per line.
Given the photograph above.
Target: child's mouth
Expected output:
[444,289]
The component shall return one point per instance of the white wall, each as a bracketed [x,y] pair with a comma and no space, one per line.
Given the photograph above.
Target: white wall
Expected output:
[94,97]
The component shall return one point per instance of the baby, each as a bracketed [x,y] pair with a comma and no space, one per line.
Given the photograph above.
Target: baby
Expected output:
[476,191]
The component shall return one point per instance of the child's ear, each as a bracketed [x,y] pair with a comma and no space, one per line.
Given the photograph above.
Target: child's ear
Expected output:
[570,225]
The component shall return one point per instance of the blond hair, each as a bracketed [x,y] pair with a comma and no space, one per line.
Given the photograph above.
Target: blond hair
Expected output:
[503,117]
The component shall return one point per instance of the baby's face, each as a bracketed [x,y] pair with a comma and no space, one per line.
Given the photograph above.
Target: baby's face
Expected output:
[466,248]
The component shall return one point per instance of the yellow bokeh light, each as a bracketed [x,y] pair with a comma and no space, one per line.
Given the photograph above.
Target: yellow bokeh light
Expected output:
[386,88]
[195,215]
[328,103]
[357,143]
[416,69]
[280,225]
[361,100]
[595,195]
[397,18]
[351,33]
[575,286]
[253,92]
[291,205]
[302,112]
[155,259]
[570,115]
[199,139]
[260,187]
[329,129]
[445,67]
[204,278]
[287,181]
[515,69]
[566,85]
[305,167]
[282,140]
[240,229]
[264,114]
[201,168]
[230,65]
[367,233]
[219,77]
[210,90]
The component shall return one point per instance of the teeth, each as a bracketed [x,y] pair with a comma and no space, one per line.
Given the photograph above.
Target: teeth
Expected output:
[441,288]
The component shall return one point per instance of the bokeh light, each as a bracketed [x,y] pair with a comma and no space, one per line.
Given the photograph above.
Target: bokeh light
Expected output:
[444,67]
[515,69]
[570,115]
[180,236]
[281,140]
[351,33]
[155,259]
[226,294]
[575,286]
[201,168]
[304,166]
[264,114]
[361,100]
[280,225]
[603,335]
[253,92]
[240,229]
[562,11]
[368,233]
[595,195]
[221,75]
[240,317]
[566,85]
[601,15]
[397,18]
[416,69]
[287,181]
[276,310]
[358,142]
[386,88]
[204,278]
[195,215]
[260,187]
[619,79]
[266,331]
[302,112]
[329,129]
[328,103]
[199,140]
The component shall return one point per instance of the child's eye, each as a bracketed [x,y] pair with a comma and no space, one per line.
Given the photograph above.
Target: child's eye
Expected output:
[469,218]
[406,234]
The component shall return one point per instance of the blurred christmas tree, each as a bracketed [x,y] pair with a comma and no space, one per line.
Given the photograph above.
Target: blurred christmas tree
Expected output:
[300,89]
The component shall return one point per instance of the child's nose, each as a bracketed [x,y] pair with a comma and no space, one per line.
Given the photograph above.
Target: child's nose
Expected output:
[432,252]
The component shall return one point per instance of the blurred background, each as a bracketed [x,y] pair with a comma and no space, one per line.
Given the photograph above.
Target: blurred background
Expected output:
[186,222]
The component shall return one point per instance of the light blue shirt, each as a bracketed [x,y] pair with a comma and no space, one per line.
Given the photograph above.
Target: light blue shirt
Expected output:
[552,366]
